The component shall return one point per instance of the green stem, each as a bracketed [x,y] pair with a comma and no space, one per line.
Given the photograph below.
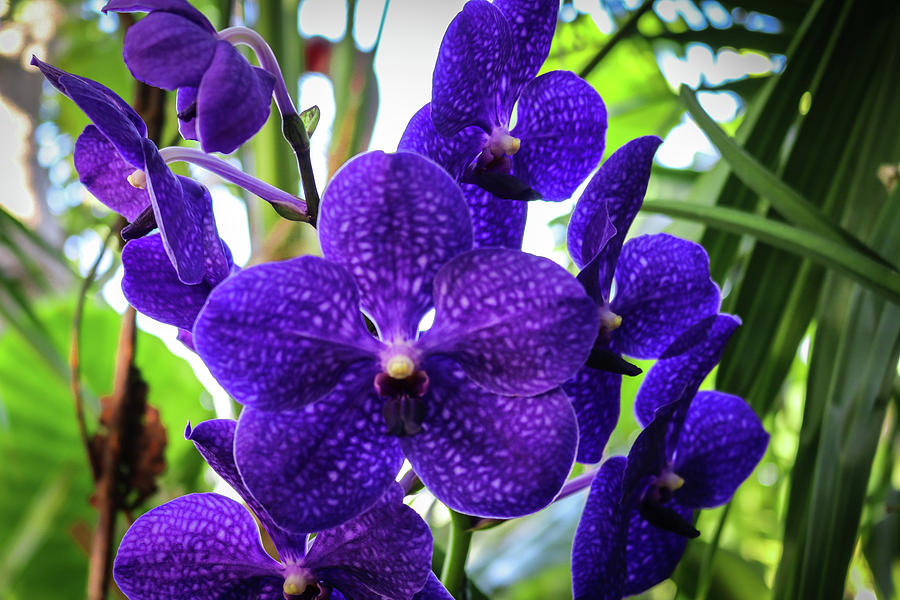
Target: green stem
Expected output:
[453,574]
[704,578]
[295,133]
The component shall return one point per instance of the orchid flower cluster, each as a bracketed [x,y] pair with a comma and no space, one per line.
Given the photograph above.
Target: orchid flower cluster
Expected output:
[518,376]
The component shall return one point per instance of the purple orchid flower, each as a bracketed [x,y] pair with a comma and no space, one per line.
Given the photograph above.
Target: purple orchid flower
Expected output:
[486,66]
[208,546]
[125,171]
[331,409]
[693,453]
[152,287]
[662,286]
[222,99]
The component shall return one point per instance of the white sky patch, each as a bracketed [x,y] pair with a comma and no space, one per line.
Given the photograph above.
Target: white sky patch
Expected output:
[404,63]
[327,18]
[685,147]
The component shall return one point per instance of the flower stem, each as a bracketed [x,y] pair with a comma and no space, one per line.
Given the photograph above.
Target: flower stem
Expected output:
[283,201]
[292,126]
[453,573]
[267,60]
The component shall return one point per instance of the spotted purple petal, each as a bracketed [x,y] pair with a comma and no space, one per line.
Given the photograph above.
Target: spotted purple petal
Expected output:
[595,397]
[662,287]
[598,552]
[105,174]
[470,65]
[721,443]
[680,376]
[562,125]
[383,553]
[109,113]
[168,51]
[179,216]
[112,99]
[151,285]
[392,220]
[531,23]
[496,222]
[217,260]
[186,105]
[280,335]
[318,466]
[233,100]
[618,188]
[651,553]
[201,546]
[488,455]
[214,440]
[518,324]
[453,153]
[179,7]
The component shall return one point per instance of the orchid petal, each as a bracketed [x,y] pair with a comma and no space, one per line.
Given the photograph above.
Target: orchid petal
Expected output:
[315,467]
[392,220]
[518,324]
[201,546]
[721,443]
[168,51]
[598,552]
[662,287]
[233,100]
[562,128]
[488,455]
[471,63]
[383,553]
[280,335]
[105,174]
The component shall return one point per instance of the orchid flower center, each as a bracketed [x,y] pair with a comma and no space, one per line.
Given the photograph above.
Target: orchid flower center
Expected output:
[301,585]
[403,386]
[138,179]
[609,321]
[496,151]
[653,504]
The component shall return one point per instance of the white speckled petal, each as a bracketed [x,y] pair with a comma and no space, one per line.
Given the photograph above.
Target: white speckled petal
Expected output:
[618,190]
[279,335]
[595,397]
[316,467]
[662,288]
[471,63]
[562,126]
[680,376]
[199,546]
[531,23]
[721,443]
[488,455]
[151,285]
[598,552]
[651,554]
[518,324]
[496,222]
[392,220]
[383,553]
